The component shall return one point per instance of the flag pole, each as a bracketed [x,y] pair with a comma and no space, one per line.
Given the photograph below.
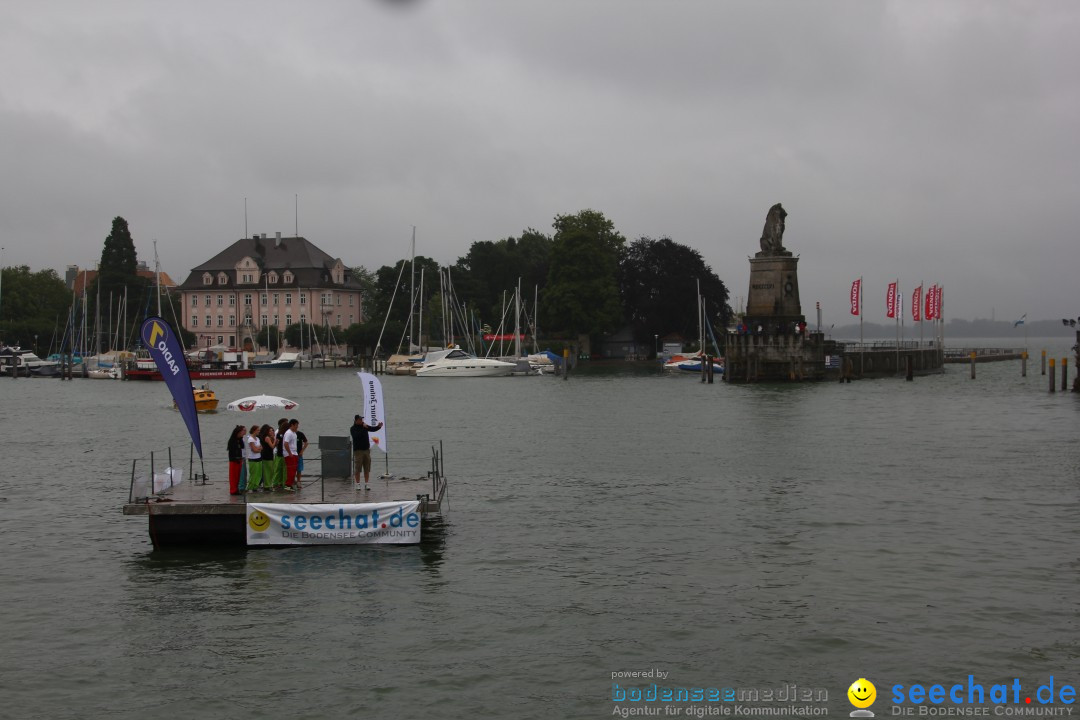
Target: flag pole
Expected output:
[939,302]
[920,315]
[896,314]
[861,359]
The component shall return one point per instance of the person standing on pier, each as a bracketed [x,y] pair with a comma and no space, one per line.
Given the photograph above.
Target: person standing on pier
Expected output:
[292,457]
[301,446]
[361,445]
[254,459]
[268,442]
[235,449]
[278,482]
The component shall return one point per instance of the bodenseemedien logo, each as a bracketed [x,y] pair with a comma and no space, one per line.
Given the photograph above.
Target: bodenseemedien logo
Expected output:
[258,521]
[862,694]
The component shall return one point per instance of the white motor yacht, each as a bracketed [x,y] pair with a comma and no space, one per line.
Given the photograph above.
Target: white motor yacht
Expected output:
[455,362]
[14,360]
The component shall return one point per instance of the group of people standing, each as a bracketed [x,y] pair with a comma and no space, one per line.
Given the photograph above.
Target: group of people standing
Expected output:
[268,460]
[265,459]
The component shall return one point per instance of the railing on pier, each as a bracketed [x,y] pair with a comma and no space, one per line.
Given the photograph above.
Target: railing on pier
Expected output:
[157,475]
[153,478]
[983,354]
[880,345]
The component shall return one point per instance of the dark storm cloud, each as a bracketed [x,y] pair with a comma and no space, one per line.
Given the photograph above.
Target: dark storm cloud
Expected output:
[928,141]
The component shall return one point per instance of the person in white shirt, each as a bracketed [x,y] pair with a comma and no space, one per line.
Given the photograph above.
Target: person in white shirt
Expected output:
[291,455]
[253,452]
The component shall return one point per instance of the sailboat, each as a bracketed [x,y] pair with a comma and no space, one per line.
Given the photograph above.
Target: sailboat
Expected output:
[693,363]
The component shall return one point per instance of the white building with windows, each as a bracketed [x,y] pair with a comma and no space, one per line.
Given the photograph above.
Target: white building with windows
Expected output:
[260,282]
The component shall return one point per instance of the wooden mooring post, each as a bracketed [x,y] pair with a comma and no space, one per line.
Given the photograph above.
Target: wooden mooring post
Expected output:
[1052,375]
[972,364]
[1044,362]
[1023,364]
[1064,374]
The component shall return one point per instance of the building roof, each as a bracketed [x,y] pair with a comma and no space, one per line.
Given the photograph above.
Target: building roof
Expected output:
[85,278]
[310,266]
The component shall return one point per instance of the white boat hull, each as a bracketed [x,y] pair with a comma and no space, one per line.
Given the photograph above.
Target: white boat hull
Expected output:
[477,367]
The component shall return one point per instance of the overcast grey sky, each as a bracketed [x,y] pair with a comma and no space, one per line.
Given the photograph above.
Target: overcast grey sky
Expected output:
[929,141]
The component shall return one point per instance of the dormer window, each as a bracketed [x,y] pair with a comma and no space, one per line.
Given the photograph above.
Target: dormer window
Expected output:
[271,277]
[287,277]
[207,279]
[222,278]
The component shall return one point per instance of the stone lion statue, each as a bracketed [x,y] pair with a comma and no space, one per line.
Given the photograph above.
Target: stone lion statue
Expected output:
[772,236]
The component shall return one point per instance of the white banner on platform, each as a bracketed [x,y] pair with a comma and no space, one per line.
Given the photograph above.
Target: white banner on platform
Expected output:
[374,411]
[330,524]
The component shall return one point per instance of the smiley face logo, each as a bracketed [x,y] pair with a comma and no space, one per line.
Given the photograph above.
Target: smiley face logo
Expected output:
[258,521]
[862,693]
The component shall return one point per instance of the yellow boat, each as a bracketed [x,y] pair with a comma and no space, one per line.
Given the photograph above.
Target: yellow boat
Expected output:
[205,399]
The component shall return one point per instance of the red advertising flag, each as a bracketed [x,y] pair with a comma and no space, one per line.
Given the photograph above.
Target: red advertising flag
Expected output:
[916,302]
[937,302]
[890,301]
[856,287]
[929,315]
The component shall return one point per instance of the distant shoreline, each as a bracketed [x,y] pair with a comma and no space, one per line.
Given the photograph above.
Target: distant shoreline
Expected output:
[959,329]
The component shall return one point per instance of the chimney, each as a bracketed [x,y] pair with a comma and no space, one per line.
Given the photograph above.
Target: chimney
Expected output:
[277,240]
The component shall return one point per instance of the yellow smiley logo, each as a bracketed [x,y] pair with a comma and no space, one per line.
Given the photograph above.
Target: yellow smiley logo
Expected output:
[258,521]
[862,693]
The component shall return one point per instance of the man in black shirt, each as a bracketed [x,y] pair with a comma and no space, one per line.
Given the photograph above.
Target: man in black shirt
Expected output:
[361,445]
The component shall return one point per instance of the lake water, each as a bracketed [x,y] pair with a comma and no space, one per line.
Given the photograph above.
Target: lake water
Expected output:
[729,536]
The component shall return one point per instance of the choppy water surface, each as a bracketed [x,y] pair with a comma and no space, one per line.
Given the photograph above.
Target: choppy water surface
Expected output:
[729,536]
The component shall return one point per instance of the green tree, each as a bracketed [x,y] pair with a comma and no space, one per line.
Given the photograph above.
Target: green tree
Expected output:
[119,262]
[34,308]
[491,269]
[389,287]
[582,294]
[361,337]
[369,288]
[270,338]
[658,280]
[117,272]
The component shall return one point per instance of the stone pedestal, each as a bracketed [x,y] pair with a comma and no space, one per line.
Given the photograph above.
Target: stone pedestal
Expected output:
[772,349]
[773,299]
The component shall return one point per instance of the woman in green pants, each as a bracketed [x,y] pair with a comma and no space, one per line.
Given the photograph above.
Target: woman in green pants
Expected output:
[253,453]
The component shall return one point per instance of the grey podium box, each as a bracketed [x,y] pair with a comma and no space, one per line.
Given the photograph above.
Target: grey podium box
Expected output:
[336,454]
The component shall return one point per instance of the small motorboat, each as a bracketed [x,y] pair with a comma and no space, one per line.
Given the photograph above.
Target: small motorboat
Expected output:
[692,363]
[205,399]
[284,361]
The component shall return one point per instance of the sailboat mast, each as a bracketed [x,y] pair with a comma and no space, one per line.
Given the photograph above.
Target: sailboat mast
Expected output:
[517,320]
[412,289]
[420,320]
[442,302]
[700,319]
[157,275]
[82,332]
[97,317]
